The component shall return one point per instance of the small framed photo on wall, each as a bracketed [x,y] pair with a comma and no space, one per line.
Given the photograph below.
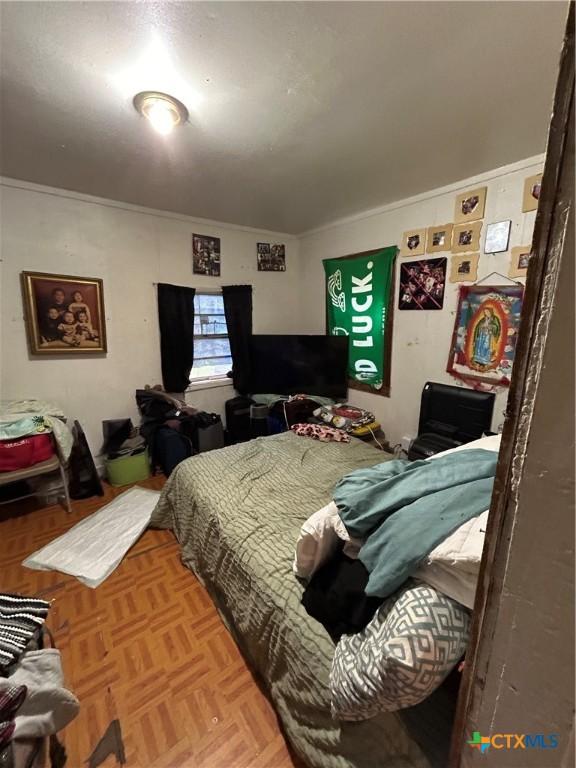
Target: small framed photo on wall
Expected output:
[439,238]
[64,314]
[532,186]
[469,206]
[497,237]
[466,237]
[464,269]
[413,243]
[519,261]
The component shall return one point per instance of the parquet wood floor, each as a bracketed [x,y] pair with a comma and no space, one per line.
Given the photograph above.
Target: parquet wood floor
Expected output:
[146,648]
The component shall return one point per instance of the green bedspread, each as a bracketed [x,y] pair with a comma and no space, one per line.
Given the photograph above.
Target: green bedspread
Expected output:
[237,513]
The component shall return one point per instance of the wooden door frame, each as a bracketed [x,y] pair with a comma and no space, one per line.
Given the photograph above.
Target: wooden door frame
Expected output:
[547,250]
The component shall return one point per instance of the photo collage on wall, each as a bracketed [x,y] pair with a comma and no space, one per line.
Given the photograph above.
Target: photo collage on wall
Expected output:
[271,257]
[206,255]
[487,321]
[422,284]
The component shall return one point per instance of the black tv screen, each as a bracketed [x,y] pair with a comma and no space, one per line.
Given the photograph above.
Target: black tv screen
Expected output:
[289,365]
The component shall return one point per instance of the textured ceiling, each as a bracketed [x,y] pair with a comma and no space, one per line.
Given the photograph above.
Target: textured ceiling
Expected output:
[300,113]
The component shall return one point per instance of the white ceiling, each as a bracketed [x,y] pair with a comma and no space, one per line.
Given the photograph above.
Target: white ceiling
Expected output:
[300,113]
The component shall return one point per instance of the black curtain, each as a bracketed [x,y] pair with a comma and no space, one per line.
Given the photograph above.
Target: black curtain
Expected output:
[238,311]
[176,317]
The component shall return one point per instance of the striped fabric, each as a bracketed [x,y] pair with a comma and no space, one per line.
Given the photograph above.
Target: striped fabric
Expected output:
[20,617]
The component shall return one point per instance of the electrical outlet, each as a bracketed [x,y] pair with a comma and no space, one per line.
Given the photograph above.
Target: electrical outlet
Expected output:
[406,442]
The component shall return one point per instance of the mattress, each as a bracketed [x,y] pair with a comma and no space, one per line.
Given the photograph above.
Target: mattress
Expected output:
[237,513]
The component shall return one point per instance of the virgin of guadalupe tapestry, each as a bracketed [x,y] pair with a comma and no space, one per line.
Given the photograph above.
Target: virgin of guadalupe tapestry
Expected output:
[485,333]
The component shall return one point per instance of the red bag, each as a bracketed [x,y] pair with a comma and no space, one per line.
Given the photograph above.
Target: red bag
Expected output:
[25,452]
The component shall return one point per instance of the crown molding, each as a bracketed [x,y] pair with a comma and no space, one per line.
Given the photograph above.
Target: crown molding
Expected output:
[457,186]
[42,189]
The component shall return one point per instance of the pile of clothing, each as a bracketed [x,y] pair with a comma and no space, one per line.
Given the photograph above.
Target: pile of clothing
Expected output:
[382,524]
[34,702]
[170,427]
[390,569]
[346,417]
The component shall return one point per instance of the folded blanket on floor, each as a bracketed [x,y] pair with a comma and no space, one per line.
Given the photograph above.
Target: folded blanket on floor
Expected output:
[405,509]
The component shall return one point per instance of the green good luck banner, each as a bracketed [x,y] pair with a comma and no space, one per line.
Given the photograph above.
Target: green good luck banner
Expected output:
[357,298]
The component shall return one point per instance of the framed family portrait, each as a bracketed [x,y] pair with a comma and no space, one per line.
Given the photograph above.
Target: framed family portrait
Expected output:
[469,206]
[439,238]
[413,243]
[64,314]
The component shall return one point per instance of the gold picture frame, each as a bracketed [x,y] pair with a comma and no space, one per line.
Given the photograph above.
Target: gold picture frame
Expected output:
[469,206]
[464,268]
[439,238]
[413,242]
[531,193]
[64,314]
[466,237]
[519,261]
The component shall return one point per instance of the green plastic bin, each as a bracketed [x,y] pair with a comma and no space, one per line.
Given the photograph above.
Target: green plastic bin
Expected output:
[128,469]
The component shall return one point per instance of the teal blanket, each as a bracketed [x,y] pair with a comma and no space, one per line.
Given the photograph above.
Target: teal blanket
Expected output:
[405,509]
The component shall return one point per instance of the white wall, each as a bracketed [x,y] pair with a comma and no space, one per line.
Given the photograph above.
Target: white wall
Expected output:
[130,248]
[421,338]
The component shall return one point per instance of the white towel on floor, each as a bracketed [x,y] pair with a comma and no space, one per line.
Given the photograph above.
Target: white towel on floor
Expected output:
[92,549]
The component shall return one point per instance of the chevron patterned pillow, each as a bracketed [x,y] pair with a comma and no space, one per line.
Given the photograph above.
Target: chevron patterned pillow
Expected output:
[414,640]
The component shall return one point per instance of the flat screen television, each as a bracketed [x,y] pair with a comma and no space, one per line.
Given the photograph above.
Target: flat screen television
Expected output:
[289,365]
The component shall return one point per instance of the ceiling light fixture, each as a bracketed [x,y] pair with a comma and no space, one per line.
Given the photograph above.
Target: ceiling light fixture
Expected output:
[163,111]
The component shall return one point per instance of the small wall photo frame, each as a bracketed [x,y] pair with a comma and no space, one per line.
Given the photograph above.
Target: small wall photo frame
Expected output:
[519,261]
[439,238]
[497,237]
[464,269]
[413,243]
[466,237]
[469,206]
[532,186]
[64,314]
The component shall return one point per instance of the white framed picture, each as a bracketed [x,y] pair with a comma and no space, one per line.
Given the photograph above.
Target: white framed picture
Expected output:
[497,237]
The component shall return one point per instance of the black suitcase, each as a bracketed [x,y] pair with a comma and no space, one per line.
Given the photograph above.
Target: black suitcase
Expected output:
[238,419]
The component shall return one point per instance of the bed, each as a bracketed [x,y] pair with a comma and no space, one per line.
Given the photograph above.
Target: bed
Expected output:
[236,513]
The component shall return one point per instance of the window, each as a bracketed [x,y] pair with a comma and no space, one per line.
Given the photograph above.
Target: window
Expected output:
[212,359]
